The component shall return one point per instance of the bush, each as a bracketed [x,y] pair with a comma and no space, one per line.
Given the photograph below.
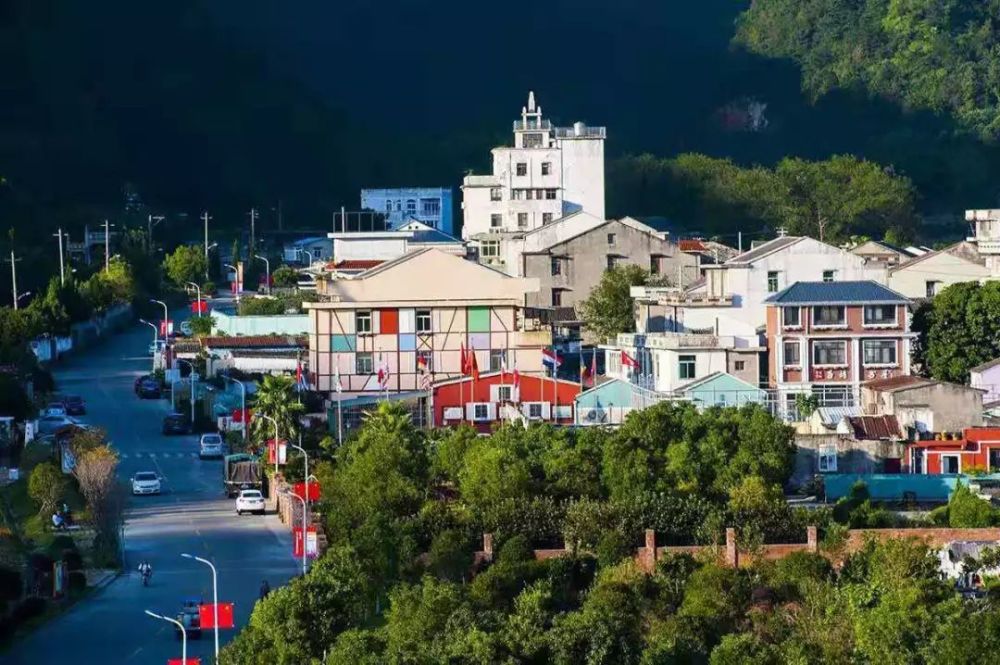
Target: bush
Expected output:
[538,519]
[612,549]
[968,511]
[46,486]
[451,555]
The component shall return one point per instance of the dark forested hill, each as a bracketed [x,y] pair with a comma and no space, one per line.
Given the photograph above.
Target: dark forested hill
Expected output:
[232,103]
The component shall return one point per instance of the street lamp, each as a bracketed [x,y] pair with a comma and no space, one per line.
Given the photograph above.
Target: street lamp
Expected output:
[23,296]
[156,339]
[191,365]
[198,289]
[312,259]
[305,527]
[184,637]
[305,503]
[215,597]
[261,415]
[166,317]
[237,273]
[151,221]
[243,410]
[267,268]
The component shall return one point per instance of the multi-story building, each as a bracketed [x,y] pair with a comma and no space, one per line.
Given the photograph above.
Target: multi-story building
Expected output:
[430,205]
[409,318]
[986,226]
[569,256]
[668,362]
[826,338]
[732,297]
[498,397]
[926,275]
[548,173]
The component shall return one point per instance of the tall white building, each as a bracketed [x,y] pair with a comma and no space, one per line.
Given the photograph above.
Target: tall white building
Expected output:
[550,172]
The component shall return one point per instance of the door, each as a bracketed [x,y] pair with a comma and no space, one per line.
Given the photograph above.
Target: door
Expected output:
[950,464]
[994,460]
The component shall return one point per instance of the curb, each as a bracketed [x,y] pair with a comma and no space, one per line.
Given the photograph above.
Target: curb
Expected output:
[105,582]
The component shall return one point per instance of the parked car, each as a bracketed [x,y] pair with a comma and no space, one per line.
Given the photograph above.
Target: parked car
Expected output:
[211,445]
[176,423]
[145,482]
[74,405]
[250,501]
[148,388]
[54,409]
[51,424]
[190,618]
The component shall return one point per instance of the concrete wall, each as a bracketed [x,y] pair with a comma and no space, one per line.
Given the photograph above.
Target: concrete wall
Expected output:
[943,268]
[297,324]
[941,407]
[987,380]
[853,457]
[585,258]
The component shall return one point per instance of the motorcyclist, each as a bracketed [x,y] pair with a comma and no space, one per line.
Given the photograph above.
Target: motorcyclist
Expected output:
[146,571]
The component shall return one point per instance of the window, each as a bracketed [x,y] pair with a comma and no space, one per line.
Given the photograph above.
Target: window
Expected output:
[539,193]
[363,322]
[932,288]
[686,365]
[546,168]
[399,205]
[496,220]
[532,140]
[828,275]
[550,194]
[505,393]
[423,320]
[481,411]
[425,361]
[792,354]
[496,359]
[556,266]
[828,315]
[654,265]
[522,168]
[791,317]
[879,351]
[880,315]
[546,217]
[411,206]
[388,206]
[522,220]
[827,459]
[489,249]
[517,194]
[830,353]
[772,282]
[535,410]
[364,364]
[612,261]
[496,194]
[529,194]
[611,238]
[557,297]
[430,207]
[739,365]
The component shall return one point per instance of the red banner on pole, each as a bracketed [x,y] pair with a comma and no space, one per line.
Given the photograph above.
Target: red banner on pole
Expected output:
[206,613]
[190,661]
[166,328]
[199,307]
[313,543]
[299,490]
[282,452]
[241,415]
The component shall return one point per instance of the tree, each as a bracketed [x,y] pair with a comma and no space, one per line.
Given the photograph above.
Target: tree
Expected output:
[186,264]
[968,511]
[958,331]
[46,486]
[276,399]
[110,287]
[285,276]
[608,310]
[95,470]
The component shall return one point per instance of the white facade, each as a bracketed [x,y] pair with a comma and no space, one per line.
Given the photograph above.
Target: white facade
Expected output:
[430,205]
[987,236]
[741,284]
[548,173]
[925,276]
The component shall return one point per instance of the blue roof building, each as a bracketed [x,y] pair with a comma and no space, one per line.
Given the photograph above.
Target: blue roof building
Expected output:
[430,205]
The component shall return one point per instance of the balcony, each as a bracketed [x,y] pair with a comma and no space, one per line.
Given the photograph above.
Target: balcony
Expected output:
[672,297]
[582,132]
[520,125]
[989,246]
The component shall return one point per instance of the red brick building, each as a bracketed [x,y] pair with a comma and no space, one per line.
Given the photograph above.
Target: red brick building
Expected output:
[494,398]
[978,448]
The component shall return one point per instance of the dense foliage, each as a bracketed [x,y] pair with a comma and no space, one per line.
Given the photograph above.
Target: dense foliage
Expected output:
[958,330]
[609,309]
[938,55]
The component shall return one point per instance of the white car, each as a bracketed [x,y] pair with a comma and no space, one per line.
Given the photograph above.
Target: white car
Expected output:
[211,446]
[145,482]
[250,501]
[50,424]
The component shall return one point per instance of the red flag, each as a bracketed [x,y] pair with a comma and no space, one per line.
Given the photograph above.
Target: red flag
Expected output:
[298,373]
[190,661]
[473,365]
[517,378]
[463,360]
[299,490]
[629,361]
[207,614]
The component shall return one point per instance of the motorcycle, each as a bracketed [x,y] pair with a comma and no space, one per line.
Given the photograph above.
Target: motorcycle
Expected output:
[146,574]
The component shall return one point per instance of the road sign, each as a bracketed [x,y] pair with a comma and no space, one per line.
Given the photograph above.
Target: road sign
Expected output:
[206,613]
[311,542]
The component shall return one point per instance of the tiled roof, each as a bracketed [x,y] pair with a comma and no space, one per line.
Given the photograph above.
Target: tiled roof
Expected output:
[426,236]
[691,246]
[764,249]
[897,383]
[255,342]
[985,366]
[357,264]
[869,428]
[838,293]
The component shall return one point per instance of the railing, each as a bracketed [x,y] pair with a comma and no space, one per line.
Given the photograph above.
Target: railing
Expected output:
[581,132]
[520,125]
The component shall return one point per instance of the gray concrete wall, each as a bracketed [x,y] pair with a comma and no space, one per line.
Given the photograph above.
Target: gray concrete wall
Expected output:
[586,260]
[751,365]
[954,407]
[852,456]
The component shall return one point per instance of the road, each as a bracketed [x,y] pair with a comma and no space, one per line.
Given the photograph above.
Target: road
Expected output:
[191,516]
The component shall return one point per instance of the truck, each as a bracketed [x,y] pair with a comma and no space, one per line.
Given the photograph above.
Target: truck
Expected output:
[241,472]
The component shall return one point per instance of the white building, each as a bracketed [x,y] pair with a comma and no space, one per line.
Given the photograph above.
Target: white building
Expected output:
[731,297]
[430,205]
[987,237]
[548,173]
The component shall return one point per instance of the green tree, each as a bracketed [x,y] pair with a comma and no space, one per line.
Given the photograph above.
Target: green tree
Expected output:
[285,276]
[276,399]
[957,332]
[110,287]
[46,486]
[186,264]
[608,310]
[968,511]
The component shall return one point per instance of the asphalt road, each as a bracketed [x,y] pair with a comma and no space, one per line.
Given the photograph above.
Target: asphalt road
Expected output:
[193,516]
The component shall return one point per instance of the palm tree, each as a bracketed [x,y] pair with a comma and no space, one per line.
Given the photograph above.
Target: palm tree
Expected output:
[276,399]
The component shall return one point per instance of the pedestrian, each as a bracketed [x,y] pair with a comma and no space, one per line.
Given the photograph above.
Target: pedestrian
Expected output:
[265,589]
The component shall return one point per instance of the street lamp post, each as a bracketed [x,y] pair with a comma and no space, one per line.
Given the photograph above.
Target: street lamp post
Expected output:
[156,339]
[62,264]
[191,365]
[166,317]
[305,534]
[305,503]
[215,597]
[261,415]
[149,229]
[184,637]
[237,273]
[267,273]
[198,290]
[312,259]
[205,217]
[107,245]
[243,406]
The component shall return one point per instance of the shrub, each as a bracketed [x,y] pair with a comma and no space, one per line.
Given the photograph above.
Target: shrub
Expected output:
[46,486]
[451,555]
[968,511]
[612,549]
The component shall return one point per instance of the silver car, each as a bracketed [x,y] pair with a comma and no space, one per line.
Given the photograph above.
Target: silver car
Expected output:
[145,482]
[211,446]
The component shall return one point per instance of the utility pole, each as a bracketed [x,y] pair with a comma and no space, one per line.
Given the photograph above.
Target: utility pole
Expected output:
[253,229]
[149,230]
[280,220]
[205,217]
[62,265]
[13,276]
[107,245]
